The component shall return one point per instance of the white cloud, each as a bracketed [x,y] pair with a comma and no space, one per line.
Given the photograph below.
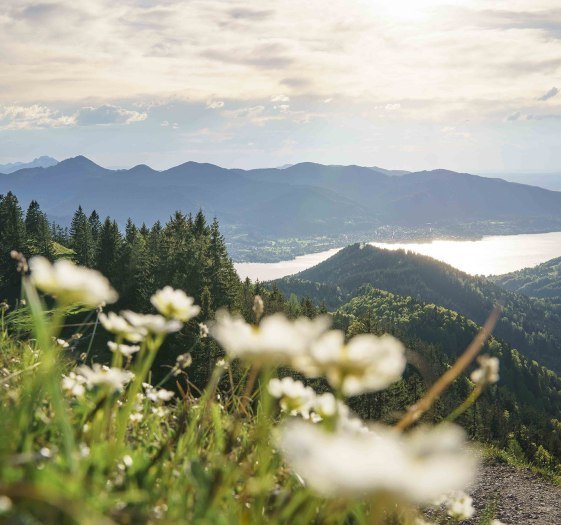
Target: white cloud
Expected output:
[107,115]
[37,116]
[32,117]
[215,104]
[456,54]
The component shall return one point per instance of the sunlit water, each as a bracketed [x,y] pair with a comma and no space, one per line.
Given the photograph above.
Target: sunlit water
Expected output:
[491,255]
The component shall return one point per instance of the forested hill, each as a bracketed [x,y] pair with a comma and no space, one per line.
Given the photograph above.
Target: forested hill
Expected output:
[531,325]
[523,407]
[303,200]
[542,281]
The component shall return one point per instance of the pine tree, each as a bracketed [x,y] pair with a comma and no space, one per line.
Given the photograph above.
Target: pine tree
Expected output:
[222,275]
[308,308]
[136,282]
[109,249]
[95,224]
[199,226]
[12,237]
[81,239]
[130,231]
[38,232]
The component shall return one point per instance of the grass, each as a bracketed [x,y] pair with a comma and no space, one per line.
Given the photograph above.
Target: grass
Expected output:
[122,456]
[198,459]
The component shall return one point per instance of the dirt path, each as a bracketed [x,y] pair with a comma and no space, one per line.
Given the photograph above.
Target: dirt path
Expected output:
[522,497]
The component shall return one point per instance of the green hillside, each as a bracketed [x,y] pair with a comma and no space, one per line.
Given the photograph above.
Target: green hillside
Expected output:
[542,281]
[533,326]
[524,405]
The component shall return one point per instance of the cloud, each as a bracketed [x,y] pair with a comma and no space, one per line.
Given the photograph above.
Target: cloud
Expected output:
[514,116]
[545,20]
[254,15]
[544,116]
[280,98]
[461,57]
[107,115]
[549,94]
[36,116]
[272,55]
[215,104]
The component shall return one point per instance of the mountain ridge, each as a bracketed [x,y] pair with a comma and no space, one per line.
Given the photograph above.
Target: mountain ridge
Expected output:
[43,161]
[303,201]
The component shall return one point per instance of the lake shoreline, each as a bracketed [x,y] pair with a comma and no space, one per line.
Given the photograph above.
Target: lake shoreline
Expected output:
[286,249]
[487,255]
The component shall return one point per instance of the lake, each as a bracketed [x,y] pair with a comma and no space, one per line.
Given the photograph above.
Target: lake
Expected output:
[494,254]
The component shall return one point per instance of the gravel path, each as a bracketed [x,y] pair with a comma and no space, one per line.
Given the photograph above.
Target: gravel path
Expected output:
[522,497]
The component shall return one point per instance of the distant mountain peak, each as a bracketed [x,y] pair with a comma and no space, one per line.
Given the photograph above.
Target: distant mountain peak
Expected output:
[78,162]
[43,161]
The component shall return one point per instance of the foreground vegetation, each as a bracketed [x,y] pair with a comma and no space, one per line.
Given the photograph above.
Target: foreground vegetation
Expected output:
[182,427]
[94,444]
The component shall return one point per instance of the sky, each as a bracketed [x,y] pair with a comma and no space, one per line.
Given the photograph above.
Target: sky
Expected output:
[469,85]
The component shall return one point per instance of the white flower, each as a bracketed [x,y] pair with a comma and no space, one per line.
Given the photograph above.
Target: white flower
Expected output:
[158,395]
[114,378]
[120,326]
[160,411]
[62,343]
[367,363]
[258,307]
[136,417]
[418,466]
[203,330]
[73,384]
[276,340]
[125,350]
[175,304]
[182,361]
[349,422]
[488,371]
[325,406]
[70,283]
[5,504]
[154,324]
[459,505]
[294,397]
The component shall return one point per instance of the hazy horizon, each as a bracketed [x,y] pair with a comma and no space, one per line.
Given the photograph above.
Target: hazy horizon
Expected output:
[163,166]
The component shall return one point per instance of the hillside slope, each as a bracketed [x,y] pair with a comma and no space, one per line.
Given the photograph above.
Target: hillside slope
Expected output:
[531,325]
[542,281]
[523,404]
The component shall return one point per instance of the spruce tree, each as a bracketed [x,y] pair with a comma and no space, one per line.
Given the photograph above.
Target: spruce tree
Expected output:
[109,249]
[222,275]
[81,239]
[12,237]
[95,224]
[38,232]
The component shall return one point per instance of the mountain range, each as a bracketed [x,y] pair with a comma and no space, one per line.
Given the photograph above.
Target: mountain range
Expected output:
[39,162]
[300,201]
